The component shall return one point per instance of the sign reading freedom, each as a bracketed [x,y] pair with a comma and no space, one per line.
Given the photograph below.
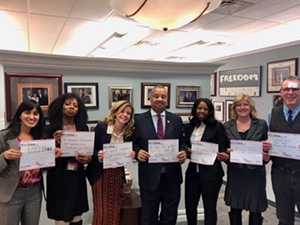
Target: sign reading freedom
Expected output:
[245,80]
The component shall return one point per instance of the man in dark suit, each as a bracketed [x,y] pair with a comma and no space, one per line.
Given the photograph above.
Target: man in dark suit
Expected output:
[27,95]
[159,182]
[85,96]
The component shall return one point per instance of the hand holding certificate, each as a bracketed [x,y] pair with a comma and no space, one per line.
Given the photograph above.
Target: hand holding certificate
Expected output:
[37,154]
[73,143]
[163,151]
[117,155]
[246,152]
[285,145]
[204,152]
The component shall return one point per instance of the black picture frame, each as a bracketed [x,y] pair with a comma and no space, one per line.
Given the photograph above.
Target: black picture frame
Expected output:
[146,90]
[87,91]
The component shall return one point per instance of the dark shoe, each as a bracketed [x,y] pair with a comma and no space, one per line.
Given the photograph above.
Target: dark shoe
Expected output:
[76,223]
[235,219]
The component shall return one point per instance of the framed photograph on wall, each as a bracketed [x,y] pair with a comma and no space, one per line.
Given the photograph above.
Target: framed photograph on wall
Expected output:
[42,88]
[229,104]
[185,117]
[277,100]
[236,81]
[186,95]
[278,71]
[119,93]
[213,84]
[87,91]
[92,124]
[146,91]
[219,110]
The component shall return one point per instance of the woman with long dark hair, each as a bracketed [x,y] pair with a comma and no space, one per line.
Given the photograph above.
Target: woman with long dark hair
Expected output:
[21,192]
[66,183]
[205,180]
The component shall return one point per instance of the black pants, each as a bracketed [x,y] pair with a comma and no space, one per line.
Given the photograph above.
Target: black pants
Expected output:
[209,191]
[167,196]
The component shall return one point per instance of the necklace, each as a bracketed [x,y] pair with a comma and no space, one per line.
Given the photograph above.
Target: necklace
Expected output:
[66,129]
[242,127]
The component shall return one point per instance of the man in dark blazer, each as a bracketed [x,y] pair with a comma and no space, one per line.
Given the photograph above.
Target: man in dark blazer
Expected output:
[159,182]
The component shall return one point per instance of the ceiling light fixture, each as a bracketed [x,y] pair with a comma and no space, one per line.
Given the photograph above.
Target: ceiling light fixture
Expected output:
[164,14]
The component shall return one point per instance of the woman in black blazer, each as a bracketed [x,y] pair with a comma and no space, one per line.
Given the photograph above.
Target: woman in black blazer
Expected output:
[246,184]
[107,184]
[205,180]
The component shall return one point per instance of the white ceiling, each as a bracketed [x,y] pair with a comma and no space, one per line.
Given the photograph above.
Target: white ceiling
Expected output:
[80,27]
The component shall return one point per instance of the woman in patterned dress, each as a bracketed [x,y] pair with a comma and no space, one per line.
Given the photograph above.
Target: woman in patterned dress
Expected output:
[107,184]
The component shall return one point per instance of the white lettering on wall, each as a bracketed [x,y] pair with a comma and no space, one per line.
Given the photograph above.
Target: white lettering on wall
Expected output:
[238,77]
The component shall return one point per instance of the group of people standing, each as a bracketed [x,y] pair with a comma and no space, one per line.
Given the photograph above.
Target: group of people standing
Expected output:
[21,192]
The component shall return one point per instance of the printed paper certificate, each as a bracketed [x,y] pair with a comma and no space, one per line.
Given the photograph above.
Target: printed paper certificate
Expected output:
[246,152]
[163,151]
[117,155]
[204,152]
[37,154]
[73,143]
[285,145]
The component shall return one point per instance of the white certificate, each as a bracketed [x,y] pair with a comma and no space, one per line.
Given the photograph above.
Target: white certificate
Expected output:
[204,152]
[73,143]
[285,145]
[37,154]
[246,152]
[163,151]
[117,155]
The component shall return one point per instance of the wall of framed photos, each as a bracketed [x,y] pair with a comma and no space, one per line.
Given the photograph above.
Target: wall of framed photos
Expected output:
[112,77]
[114,74]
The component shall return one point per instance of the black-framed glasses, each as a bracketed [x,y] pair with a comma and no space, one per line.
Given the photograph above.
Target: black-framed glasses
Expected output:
[286,90]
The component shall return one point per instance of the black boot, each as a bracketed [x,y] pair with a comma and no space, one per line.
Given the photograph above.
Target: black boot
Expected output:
[235,218]
[76,223]
[255,219]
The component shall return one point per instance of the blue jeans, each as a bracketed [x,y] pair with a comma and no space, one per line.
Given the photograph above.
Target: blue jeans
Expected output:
[286,187]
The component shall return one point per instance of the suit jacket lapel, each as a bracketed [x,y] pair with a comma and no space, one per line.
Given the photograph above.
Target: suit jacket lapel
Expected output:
[14,144]
[150,125]
[233,130]
[252,129]
[168,128]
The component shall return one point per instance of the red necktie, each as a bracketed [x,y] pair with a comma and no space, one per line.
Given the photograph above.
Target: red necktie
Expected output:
[160,128]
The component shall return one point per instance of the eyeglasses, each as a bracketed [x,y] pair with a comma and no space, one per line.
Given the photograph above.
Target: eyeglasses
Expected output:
[287,90]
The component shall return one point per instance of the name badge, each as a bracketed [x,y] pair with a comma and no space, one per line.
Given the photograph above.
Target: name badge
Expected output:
[72,166]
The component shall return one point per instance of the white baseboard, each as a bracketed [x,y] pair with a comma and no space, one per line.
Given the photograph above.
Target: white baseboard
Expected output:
[182,215]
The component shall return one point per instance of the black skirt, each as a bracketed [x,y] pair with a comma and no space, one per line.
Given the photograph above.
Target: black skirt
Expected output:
[246,188]
[66,191]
